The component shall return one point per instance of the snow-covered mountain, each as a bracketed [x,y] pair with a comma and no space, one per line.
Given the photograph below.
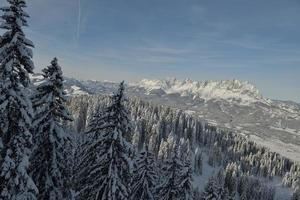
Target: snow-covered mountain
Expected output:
[232,104]
[230,90]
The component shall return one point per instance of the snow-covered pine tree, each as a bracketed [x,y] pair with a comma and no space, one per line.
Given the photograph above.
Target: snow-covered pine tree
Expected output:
[213,191]
[105,162]
[49,165]
[15,106]
[87,178]
[198,163]
[169,189]
[252,188]
[144,176]
[230,174]
[185,181]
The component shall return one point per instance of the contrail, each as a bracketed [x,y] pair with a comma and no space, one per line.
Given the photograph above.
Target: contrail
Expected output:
[78,20]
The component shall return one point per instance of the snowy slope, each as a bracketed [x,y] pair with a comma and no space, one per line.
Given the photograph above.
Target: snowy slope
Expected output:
[233,104]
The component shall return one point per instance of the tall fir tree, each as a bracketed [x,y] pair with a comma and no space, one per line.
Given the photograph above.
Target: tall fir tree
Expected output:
[198,162]
[169,188]
[144,176]
[230,174]
[87,170]
[214,191]
[49,165]
[15,106]
[105,164]
[185,181]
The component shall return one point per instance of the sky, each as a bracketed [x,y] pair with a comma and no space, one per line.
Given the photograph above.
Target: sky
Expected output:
[257,41]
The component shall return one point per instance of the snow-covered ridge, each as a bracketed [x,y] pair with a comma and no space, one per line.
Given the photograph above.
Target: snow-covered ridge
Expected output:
[238,91]
[227,90]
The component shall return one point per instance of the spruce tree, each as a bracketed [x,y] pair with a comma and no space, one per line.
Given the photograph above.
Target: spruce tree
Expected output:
[144,176]
[213,191]
[49,159]
[105,164]
[169,189]
[15,106]
[87,176]
[198,162]
[185,181]
[88,156]
[231,173]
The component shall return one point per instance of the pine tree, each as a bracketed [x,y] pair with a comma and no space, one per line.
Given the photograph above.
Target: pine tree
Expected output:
[144,176]
[185,181]
[198,163]
[230,178]
[169,189]
[105,159]
[15,106]
[87,178]
[49,167]
[213,191]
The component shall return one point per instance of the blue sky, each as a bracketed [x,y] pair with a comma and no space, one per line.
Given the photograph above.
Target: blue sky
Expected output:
[257,40]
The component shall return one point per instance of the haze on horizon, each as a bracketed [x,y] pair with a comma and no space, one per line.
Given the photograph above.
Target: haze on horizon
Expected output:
[257,41]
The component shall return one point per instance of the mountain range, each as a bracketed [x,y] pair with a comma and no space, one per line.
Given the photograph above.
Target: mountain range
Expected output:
[231,104]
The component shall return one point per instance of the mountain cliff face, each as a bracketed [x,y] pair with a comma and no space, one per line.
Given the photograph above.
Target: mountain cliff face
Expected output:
[232,104]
